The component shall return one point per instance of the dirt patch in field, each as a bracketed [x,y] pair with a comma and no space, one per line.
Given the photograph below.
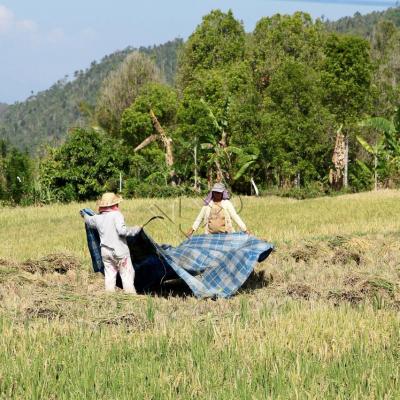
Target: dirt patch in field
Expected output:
[348,250]
[45,309]
[43,312]
[306,252]
[7,263]
[299,290]
[359,288]
[350,296]
[130,321]
[334,251]
[345,256]
[258,279]
[59,263]
[371,284]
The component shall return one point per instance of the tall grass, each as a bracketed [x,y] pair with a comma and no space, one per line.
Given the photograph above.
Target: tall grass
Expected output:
[301,352]
[32,232]
[319,320]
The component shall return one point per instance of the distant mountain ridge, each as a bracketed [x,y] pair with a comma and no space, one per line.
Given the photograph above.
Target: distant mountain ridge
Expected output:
[46,116]
[362,25]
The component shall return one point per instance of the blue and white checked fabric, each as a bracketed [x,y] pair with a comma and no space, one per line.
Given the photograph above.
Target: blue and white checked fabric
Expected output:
[211,265]
[93,240]
[224,262]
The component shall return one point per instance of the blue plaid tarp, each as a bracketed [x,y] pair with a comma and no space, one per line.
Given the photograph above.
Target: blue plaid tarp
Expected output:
[211,265]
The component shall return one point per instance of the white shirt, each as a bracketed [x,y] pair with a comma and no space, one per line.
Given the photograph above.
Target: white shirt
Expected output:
[112,231]
[230,214]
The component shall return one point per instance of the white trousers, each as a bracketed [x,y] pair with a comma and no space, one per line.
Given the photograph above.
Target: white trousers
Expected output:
[113,265]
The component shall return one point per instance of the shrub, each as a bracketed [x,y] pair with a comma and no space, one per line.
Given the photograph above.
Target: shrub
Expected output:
[311,190]
[86,165]
[134,188]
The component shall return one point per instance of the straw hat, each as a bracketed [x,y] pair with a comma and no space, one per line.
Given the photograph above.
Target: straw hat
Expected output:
[109,199]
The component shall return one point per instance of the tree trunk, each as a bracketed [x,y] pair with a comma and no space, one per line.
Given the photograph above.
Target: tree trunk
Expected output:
[146,142]
[297,180]
[220,173]
[346,162]
[223,141]
[376,172]
[222,144]
[336,175]
[196,186]
[167,142]
[255,187]
[209,179]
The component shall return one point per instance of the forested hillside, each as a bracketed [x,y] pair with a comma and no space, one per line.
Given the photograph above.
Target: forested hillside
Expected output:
[363,25]
[3,107]
[46,116]
[290,107]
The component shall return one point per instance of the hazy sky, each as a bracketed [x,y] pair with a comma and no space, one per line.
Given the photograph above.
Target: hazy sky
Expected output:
[43,40]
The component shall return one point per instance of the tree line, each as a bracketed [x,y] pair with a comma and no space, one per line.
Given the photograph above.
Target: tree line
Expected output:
[45,117]
[291,108]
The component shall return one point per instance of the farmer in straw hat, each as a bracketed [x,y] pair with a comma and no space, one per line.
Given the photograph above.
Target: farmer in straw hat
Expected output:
[218,213]
[114,249]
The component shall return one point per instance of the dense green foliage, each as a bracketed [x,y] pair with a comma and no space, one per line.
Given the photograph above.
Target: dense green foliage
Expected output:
[87,164]
[264,108]
[136,123]
[217,42]
[16,175]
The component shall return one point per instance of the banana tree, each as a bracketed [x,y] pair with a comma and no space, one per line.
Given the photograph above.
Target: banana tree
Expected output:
[218,149]
[220,152]
[390,130]
[246,158]
[375,150]
[388,145]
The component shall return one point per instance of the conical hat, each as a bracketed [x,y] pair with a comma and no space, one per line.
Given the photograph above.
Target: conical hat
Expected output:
[109,199]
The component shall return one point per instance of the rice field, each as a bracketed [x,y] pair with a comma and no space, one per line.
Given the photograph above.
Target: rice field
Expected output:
[319,319]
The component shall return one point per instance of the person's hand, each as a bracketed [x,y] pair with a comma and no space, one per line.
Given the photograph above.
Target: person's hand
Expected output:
[190,232]
[82,214]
